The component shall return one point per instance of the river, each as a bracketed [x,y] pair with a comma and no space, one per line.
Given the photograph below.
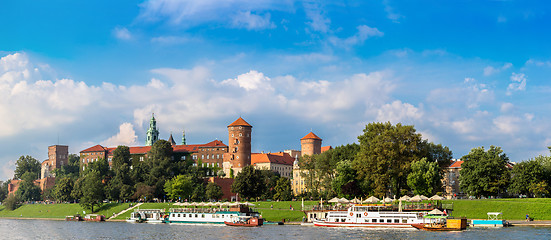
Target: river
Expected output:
[45,229]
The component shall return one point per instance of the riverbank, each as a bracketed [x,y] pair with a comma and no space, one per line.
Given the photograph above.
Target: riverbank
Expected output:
[291,211]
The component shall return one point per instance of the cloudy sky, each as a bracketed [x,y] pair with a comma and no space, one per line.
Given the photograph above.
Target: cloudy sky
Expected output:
[465,73]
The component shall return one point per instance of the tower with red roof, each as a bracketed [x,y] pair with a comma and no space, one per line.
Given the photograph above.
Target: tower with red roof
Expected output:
[310,144]
[239,147]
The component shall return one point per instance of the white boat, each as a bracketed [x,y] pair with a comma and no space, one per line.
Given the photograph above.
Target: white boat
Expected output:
[147,216]
[372,217]
[207,215]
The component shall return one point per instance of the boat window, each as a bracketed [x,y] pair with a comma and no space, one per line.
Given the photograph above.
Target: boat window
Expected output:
[367,220]
[178,215]
[195,215]
[404,220]
[381,220]
[336,220]
[184,215]
[396,220]
[359,215]
[203,215]
[222,215]
[173,215]
[389,220]
[374,220]
[343,220]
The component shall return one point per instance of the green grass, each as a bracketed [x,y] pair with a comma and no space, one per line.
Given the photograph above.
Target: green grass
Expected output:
[512,208]
[58,211]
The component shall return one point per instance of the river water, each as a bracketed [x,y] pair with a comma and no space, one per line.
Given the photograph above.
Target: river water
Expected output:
[44,229]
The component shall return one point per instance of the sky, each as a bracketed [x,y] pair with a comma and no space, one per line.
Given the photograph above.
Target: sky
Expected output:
[465,73]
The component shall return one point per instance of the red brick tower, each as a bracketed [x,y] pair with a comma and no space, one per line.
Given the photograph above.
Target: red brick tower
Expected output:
[310,144]
[239,147]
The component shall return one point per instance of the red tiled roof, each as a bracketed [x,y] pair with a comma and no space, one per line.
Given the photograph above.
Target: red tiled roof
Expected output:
[311,135]
[97,148]
[323,149]
[278,157]
[456,164]
[240,122]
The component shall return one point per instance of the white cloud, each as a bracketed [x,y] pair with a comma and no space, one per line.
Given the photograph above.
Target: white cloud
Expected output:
[398,112]
[252,80]
[489,70]
[122,33]
[318,21]
[126,136]
[391,13]
[518,83]
[364,32]
[188,13]
[506,107]
[252,21]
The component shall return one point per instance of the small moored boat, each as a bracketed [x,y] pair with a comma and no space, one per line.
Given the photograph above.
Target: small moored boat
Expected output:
[76,218]
[244,221]
[94,218]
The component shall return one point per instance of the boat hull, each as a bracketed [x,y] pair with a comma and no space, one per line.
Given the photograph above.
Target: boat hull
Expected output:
[363,225]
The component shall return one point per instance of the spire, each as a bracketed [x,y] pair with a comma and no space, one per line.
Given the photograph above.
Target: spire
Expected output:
[171,140]
[184,137]
[152,132]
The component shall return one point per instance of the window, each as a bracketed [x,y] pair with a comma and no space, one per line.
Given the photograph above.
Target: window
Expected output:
[381,220]
[178,215]
[241,134]
[389,220]
[217,156]
[373,220]
[184,215]
[396,220]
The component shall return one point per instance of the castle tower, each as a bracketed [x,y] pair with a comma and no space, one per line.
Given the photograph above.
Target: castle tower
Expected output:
[310,144]
[58,155]
[239,147]
[152,132]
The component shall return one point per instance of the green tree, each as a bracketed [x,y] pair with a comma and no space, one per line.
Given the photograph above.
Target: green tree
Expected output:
[249,183]
[386,152]
[161,166]
[3,190]
[484,173]
[199,191]
[539,189]
[525,174]
[63,189]
[214,191]
[11,203]
[283,189]
[72,169]
[345,174]
[27,164]
[93,190]
[424,177]
[179,187]
[270,180]
[27,190]
[121,185]
[144,191]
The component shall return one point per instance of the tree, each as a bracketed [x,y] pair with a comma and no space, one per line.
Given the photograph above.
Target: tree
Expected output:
[27,164]
[270,180]
[283,189]
[161,166]
[248,183]
[71,170]
[345,174]
[3,190]
[11,202]
[27,190]
[144,191]
[93,190]
[120,186]
[424,177]
[526,177]
[63,189]
[386,152]
[179,187]
[214,191]
[484,173]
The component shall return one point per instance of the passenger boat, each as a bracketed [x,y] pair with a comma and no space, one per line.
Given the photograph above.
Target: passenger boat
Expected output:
[94,218]
[373,217]
[245,221]
[147,216]
[209,215]
[76,218]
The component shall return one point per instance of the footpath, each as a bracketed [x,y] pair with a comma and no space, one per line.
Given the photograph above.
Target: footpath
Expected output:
[123,211]
[530,223]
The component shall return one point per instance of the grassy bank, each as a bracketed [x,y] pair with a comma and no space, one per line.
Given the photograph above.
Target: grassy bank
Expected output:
[58,211]
[512,208]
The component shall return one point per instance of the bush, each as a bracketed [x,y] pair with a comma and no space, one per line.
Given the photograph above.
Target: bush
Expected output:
[11,203]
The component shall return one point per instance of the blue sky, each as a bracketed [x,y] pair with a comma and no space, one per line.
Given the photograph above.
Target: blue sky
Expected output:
[465,73]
